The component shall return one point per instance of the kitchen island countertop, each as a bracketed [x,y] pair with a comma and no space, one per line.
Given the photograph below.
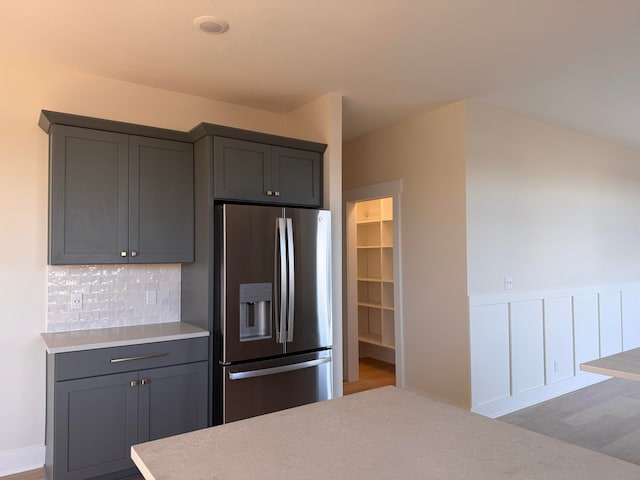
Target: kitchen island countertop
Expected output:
[380,434]
[623,365]
[62,342]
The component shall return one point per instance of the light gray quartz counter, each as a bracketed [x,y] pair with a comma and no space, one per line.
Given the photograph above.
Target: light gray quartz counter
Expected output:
[386,433]
[61,342]
[623,365]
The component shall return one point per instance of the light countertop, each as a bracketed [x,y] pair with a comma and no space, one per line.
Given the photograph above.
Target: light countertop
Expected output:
[61,342]
[623,365]
[380,434]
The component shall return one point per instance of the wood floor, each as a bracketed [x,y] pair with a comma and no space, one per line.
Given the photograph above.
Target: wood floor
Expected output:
[604,417]
[30,475]
[373,374]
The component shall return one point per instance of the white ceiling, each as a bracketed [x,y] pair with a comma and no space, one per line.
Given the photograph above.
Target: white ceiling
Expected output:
[575,63]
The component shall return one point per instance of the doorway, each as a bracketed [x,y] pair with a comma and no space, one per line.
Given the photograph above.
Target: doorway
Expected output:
[373,327]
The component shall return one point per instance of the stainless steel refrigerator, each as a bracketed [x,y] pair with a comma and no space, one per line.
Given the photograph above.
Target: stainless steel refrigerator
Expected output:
[273,319]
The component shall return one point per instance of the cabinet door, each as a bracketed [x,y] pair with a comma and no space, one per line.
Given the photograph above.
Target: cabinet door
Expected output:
[160,201]
[242,170]
[88,196]
[96,424]
[173,400]
[296,176]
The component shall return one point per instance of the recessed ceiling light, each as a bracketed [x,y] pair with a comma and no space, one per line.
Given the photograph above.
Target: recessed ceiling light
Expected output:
[209,24]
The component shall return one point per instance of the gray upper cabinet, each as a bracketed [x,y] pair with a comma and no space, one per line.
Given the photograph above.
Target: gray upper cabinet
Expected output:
[117,198]
[242,170]
[160,201]
[297,174]
[256,172]
[124,193]
[88,196]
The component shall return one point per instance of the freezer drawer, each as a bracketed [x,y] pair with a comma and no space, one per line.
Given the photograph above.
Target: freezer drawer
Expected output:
[256,388]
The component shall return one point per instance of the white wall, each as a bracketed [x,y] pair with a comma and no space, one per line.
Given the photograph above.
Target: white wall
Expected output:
[25,89]
[548,207]
[557,212]
[321,121]
[428,153]
[554,210]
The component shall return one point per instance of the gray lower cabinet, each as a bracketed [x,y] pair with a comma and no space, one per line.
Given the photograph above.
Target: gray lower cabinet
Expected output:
[96,424]
[118,198]
[174,400]
[93,421]
[256,172]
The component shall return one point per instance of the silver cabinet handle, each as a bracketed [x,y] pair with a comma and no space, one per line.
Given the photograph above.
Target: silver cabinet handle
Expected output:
[273,370]
[123,254]
[133,383]
[269,192]
[144,382]
[134,253]
[144,357]
[277,194]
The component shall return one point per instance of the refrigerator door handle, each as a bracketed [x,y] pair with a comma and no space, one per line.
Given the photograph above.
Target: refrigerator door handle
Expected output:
[292,280]
[274,370]
[282,313]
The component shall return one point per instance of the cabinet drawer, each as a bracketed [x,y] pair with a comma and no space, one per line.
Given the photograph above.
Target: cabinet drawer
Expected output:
[104,361]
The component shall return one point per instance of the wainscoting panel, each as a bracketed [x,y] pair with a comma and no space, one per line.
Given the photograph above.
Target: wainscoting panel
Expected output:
[586,329]
[610,323]
[558,339]
[630,319]
[527,347]
[490,375]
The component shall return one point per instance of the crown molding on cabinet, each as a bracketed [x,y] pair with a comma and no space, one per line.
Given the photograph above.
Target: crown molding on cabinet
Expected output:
[49,118]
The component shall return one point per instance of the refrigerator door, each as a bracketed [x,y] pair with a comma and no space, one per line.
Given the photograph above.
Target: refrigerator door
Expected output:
[308,319]
[255,388]
[247,277]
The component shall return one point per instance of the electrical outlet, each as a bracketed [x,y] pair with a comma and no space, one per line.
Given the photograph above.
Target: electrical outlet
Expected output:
[152,297]
[508,283]
[76,301]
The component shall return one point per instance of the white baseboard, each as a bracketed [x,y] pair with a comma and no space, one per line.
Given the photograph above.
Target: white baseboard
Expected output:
[506,405]
[378,352]
[22,460]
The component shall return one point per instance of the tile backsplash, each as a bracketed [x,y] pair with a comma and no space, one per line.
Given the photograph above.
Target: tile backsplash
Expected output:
[112,295]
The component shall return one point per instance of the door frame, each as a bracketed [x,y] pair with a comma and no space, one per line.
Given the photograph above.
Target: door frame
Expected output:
[392,189]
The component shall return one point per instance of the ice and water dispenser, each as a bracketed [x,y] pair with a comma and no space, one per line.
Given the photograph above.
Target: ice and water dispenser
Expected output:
[255,311]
